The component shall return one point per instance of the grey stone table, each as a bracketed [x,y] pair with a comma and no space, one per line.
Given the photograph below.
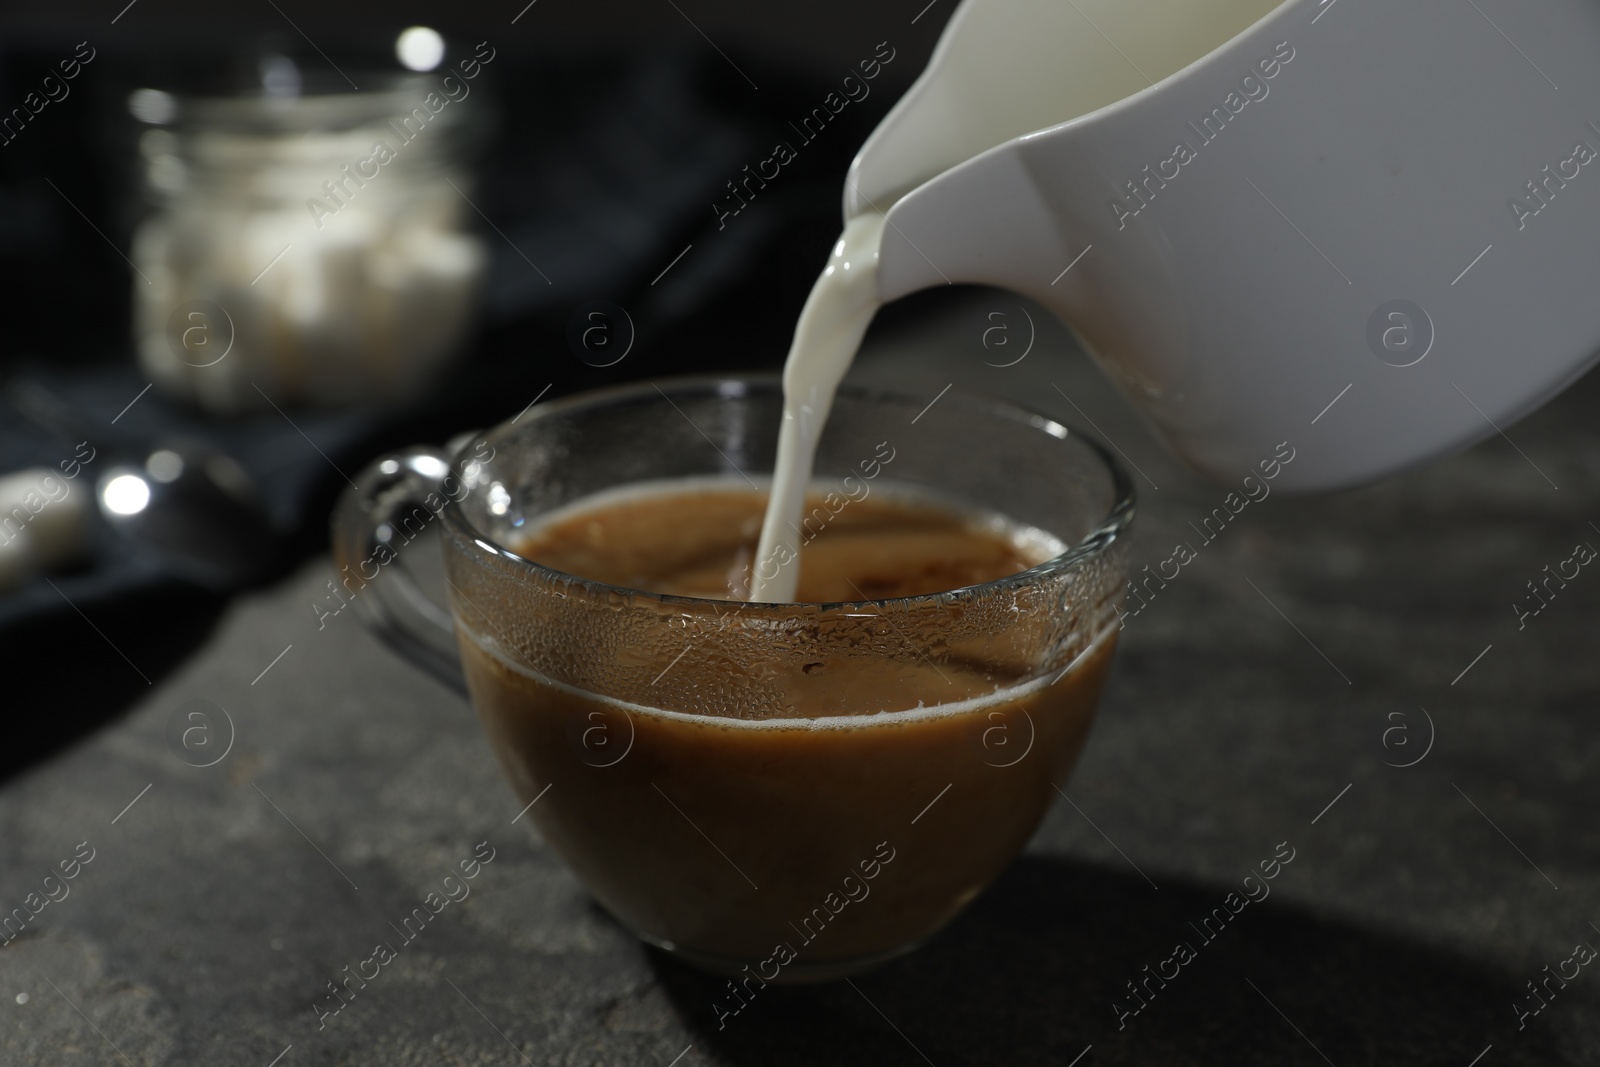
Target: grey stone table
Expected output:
[1270,693]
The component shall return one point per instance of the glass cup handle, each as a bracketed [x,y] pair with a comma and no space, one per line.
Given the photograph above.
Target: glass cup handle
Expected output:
[371,526]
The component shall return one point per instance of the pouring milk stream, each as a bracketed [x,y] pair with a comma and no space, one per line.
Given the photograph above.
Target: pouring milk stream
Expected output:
[1249,214]
[835,318]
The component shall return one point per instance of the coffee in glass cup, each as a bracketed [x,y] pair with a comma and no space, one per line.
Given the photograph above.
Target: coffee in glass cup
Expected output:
[782,792]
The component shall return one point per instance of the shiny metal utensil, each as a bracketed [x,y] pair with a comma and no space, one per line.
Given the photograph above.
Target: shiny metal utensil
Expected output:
[184,503]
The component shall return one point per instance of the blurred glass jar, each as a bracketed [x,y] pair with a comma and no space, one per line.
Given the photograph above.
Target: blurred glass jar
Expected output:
[308,248]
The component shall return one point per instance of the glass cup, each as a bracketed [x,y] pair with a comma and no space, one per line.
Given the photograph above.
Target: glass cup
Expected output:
[653,737]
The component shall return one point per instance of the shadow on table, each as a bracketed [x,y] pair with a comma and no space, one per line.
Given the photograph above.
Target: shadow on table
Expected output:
[69,674]
[1028,976]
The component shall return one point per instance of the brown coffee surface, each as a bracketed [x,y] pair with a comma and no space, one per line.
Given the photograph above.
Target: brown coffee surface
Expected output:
[765,842]
[703,544]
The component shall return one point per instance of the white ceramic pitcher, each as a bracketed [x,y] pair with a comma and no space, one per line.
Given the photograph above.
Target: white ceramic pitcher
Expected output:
[1370,228]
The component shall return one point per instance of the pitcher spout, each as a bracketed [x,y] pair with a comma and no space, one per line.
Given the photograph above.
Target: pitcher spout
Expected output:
[985,222]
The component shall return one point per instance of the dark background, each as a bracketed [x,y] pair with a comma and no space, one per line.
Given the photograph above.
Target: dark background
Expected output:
[564,66]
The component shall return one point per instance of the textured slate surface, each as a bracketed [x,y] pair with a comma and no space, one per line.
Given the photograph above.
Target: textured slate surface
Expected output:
[218,906]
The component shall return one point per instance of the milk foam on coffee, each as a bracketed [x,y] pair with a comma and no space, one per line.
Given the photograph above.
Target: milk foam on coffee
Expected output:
[832,323]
